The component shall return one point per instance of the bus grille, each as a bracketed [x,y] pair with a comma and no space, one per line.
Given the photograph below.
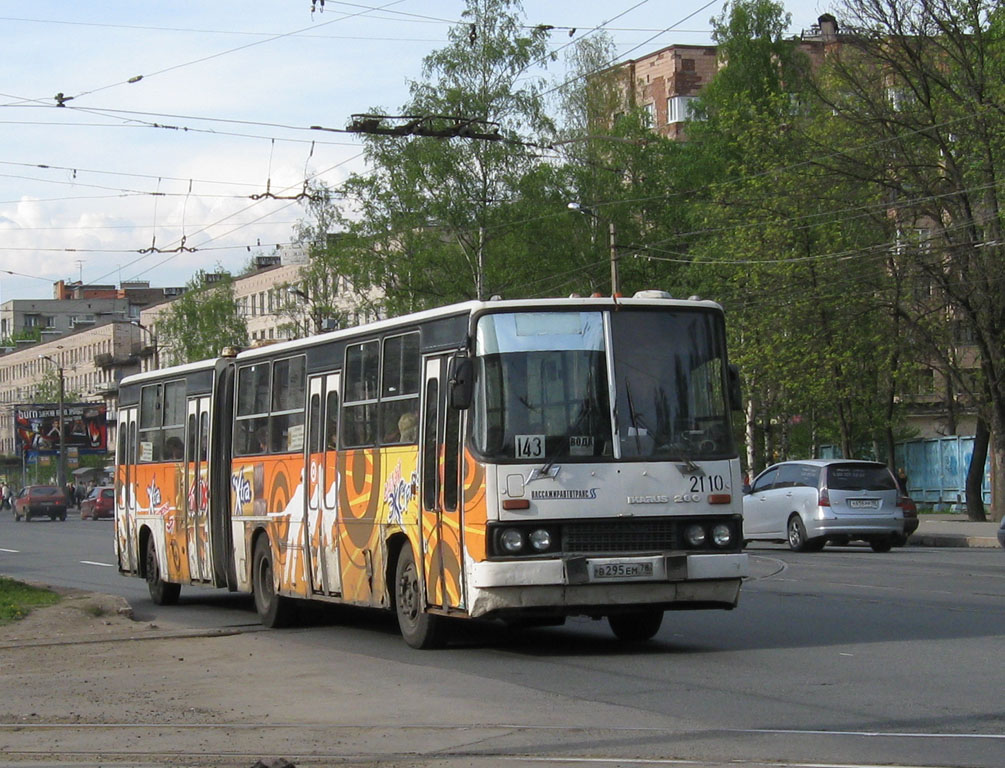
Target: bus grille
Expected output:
[619,536]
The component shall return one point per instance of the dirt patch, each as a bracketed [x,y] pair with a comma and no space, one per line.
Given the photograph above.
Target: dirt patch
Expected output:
[79,617]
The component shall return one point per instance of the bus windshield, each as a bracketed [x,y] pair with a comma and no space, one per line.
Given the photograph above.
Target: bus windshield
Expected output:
[544,386]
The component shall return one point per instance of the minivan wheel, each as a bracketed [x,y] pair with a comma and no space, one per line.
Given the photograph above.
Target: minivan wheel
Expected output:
[797,534]
[882,544]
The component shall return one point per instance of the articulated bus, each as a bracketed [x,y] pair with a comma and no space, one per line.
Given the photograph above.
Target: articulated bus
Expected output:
[515,460]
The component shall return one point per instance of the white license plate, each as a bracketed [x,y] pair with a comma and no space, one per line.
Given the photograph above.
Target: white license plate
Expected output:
[863,503]
[622,570]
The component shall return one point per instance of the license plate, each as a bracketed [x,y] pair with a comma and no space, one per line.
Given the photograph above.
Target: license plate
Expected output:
[622,570]
[863,503]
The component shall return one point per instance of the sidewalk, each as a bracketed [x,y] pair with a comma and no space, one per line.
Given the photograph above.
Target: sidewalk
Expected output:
[953,531]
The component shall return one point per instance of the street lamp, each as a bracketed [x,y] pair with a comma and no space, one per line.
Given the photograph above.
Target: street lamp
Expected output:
[320,324]
[615,282]
[153,342]
[61,462]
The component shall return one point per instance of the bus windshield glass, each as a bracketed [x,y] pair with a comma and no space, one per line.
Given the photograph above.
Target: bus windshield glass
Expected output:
[543,389]
[670,379]
[544,386]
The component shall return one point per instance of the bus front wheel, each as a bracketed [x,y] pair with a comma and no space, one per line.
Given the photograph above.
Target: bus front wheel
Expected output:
[635,626]
[161,592]
[274,610]
[420,629]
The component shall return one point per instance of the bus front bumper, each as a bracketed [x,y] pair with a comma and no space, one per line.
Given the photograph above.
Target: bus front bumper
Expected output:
[593,584]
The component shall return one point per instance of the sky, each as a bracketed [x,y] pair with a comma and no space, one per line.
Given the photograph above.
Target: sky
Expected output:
[186,123]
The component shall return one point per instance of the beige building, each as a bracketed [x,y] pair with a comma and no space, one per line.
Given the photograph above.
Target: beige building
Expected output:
[93,361]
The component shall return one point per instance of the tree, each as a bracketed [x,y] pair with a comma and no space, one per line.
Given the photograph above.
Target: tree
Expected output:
[433,218]
[923,86]
[202,321]
[778,247]
[319,298]
[47,389]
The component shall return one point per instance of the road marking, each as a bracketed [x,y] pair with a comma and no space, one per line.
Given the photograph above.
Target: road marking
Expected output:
[889,734]
[12,551]
[91,562]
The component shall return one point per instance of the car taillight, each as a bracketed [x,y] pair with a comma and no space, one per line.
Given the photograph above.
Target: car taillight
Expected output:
[824,498]
[907,504]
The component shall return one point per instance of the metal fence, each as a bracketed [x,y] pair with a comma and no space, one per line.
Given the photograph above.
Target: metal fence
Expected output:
[937,470]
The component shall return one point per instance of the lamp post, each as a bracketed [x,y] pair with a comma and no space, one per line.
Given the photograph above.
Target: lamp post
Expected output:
[153,342]
[615,280]
[320,323]
[61,461]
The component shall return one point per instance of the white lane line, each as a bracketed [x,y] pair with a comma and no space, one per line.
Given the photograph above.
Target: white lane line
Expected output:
[91,562]
[12,551]
[873,734]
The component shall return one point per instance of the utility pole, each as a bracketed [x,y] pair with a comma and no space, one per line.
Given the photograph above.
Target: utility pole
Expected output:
[615,281]
[611,243]
[61,461]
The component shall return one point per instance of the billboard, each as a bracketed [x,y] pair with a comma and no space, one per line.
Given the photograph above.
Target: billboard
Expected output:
[36,429]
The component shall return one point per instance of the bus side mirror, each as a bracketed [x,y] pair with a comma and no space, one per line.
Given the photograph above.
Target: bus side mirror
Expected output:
[461,380]
[735,395]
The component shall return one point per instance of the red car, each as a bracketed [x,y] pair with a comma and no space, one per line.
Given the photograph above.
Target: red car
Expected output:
[99,503]
[36,500]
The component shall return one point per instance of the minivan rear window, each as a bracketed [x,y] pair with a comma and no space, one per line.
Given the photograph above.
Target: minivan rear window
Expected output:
[858,477]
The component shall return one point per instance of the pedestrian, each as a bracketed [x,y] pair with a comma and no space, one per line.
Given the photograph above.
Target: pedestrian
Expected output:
[71,494]
[6,496]
[902,481]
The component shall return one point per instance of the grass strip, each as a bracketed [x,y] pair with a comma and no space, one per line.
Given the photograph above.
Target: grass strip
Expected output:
[17,599]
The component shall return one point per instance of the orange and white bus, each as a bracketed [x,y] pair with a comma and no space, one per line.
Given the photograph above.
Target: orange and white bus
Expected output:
[517,460]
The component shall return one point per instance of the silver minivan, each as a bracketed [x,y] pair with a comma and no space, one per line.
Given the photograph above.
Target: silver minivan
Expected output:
[809,503]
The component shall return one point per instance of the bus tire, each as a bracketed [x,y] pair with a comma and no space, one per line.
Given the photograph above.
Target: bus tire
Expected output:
[161,592]
[274,609]
[419,629]
[636,626]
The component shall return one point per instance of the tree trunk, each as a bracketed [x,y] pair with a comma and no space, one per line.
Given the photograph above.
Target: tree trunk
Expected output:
[975,473]
[997,479]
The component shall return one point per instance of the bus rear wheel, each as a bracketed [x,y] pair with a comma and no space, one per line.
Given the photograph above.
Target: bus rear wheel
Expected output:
[161,592]
[418,628]
[274,609]
[635,626]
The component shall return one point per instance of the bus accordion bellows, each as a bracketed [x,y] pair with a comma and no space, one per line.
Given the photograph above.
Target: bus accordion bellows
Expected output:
[517,460]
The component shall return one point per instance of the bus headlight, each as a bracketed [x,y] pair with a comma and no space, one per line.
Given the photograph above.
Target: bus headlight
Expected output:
[722,535]
[695,535]
[540,539]
[511,540]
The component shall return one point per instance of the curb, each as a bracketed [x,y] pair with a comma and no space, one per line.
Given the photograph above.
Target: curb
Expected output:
[952,540]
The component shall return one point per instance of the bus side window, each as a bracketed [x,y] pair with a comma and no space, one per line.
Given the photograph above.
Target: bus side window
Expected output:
[314,438]
[451,458]
[430,464]
[331,421]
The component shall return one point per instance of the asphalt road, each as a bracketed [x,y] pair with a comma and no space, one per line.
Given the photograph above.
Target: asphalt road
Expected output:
[844,657]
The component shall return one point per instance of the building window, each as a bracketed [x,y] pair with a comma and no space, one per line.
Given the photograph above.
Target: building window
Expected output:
[679,108]
[650,113]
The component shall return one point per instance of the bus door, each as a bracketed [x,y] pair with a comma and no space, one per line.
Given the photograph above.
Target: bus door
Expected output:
[125,491]
[440,463]
[322,485]
[197,478]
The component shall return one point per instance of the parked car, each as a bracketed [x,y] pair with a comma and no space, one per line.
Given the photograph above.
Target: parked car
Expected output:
[809,503]
[35,500]
[99,503]
[1001,533]
[910,520]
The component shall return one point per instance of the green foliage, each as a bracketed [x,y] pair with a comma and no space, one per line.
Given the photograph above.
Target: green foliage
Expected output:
[202,321]
[47,388]
[435,216]
[17,599]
